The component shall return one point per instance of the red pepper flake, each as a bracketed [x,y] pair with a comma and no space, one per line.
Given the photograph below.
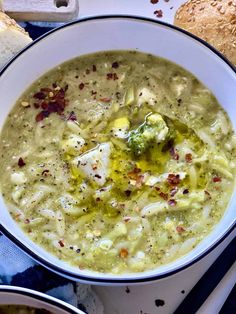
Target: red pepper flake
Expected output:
[81,86]
[185,191]
[180,229]
[56,107]
[115,65]
[44,105]
[61,93]
[123,253]
[216,179]
[173,179]
[128,193]
[188,157]
[93,92]
[27,221]
[157,188]
[21,162]
[61,243]
[94,68]
[154,1]
[105,99]
[165,196]
[158,13]
[50,101]
[172,202]
[42,115]
[109,76]
[173,191]
[72,116]
[173,153]
[40,95]
[98,199]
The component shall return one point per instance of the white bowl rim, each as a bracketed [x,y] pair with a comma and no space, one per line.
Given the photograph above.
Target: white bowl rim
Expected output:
[41,297]
[112,280]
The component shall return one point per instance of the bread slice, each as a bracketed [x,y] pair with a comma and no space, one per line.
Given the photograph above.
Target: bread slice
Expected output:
[12,38]
[212,20]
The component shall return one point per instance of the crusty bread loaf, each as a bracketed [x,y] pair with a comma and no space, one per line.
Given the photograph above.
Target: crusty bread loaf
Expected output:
[212,20]
[12,38]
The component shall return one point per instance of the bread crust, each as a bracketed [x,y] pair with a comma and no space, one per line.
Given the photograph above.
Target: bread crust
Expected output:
[12,38]
[212,20]
[7,22]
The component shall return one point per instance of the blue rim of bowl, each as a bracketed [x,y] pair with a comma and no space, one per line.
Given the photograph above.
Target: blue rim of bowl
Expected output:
[40,297]
[91,279]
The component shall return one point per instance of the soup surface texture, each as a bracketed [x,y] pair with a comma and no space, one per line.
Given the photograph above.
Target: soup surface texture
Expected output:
[117,162]
[21,309]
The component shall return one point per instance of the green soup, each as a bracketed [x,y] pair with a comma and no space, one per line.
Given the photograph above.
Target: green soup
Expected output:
[117,162]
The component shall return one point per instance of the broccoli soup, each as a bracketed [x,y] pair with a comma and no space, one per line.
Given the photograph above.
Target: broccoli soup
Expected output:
[117,162]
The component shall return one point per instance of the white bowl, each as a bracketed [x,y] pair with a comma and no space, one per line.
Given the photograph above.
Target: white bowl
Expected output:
[112,33]
[20,296]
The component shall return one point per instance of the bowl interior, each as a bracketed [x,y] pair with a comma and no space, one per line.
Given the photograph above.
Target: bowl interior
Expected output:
[117,33]
[10,295]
